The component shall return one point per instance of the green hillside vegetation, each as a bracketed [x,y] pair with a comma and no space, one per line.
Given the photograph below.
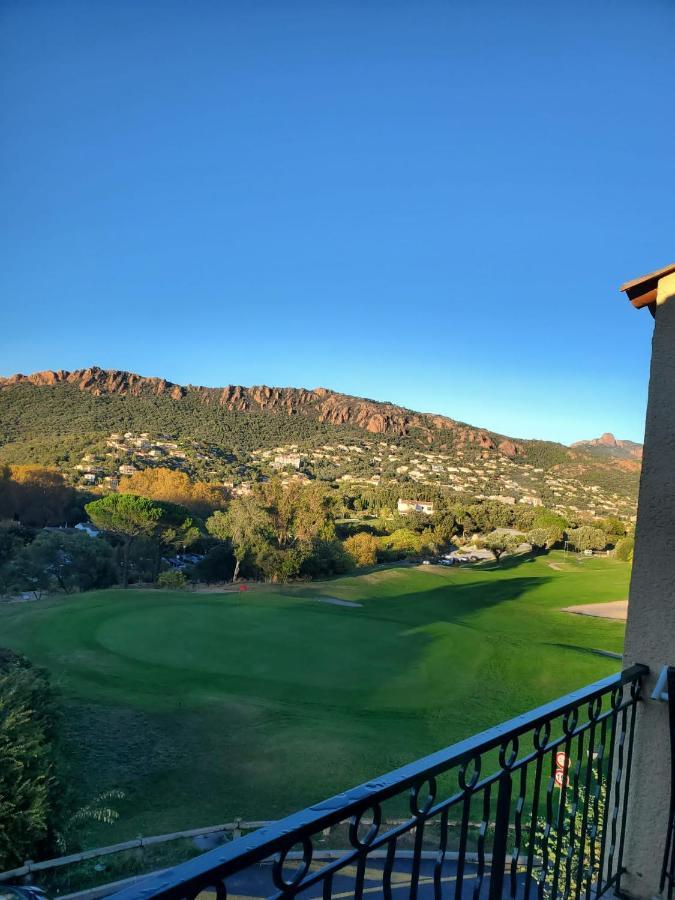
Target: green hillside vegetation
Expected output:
[206,706]
[61,425]
[28,413]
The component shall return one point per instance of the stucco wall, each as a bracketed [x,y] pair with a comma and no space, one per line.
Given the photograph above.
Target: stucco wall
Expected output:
[650,630]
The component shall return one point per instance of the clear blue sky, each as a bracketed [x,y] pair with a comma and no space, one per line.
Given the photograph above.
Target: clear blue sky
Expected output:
[428,202]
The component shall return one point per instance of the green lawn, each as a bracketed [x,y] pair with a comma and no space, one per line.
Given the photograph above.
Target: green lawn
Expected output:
[203,707]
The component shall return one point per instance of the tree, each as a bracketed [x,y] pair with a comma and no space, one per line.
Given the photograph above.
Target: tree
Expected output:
[217,565]
[402,542]
[362,549]
[244,525]
[128,517]
[13,537]
[444,527]
[539,539]
[613,527]
[62,560]
[554,524]
[278,528]
[29,790]
[326,558]
[6,504]
[499,543]
[624,549]
[37,496]
[587,538]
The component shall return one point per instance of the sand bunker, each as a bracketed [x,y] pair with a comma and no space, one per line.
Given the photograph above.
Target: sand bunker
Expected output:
[615,609]
[334,601]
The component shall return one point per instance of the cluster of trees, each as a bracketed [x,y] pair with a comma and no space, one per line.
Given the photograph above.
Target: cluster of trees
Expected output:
[282,531]
[38,496]
[278,532]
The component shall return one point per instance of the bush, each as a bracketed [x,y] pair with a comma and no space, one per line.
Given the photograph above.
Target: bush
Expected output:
[173,579]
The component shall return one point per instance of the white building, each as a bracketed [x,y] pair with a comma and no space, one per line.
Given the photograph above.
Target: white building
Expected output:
[287,459]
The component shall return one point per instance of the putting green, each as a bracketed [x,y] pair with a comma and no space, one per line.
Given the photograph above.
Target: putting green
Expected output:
[204,707]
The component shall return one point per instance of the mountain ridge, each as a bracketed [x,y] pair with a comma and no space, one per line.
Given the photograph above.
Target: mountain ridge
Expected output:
[78,421]
[329,407]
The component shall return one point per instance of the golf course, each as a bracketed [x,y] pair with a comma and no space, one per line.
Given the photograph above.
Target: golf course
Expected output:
[203,707]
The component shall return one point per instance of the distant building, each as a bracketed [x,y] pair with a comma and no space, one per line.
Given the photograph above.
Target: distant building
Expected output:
[533,501]
[127,470]
[421,506]
[245,489]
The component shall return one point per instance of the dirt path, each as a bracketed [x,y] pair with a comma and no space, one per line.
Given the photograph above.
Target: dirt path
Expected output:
[615,609]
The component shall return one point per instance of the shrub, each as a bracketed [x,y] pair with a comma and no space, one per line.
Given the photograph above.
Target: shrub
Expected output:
[30,795]
[173,579]
[362,549]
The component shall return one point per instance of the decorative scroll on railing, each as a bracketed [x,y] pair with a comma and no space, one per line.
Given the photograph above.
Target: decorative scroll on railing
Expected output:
[535,807]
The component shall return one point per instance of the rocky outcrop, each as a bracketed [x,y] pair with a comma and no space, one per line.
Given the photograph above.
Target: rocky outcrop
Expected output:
[612,446]
[322,404]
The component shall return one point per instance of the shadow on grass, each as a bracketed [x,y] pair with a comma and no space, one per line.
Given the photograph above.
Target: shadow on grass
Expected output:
[452,602]
[608,654]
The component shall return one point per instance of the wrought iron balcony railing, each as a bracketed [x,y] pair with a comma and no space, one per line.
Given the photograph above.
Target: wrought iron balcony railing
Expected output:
[535,807]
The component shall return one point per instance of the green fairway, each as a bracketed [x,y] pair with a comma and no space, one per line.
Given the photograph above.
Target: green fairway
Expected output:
[204,707]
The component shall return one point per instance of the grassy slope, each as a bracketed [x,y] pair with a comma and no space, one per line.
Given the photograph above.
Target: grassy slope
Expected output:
[207,706]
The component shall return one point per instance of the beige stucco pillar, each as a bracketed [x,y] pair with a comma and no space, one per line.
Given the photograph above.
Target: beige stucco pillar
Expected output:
[650,630]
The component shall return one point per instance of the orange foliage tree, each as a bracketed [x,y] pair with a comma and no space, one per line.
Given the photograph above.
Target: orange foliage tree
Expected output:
[173,486]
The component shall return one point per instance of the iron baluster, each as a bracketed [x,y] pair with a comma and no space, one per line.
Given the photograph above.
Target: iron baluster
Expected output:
[594,710]
[482,834]
[440,858]
[518,836]
[635,697]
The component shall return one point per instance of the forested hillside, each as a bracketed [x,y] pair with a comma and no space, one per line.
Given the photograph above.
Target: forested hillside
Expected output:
[57,418]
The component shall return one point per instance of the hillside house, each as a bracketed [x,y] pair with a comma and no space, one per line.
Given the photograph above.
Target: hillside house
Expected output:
[421,506]
[283,460]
